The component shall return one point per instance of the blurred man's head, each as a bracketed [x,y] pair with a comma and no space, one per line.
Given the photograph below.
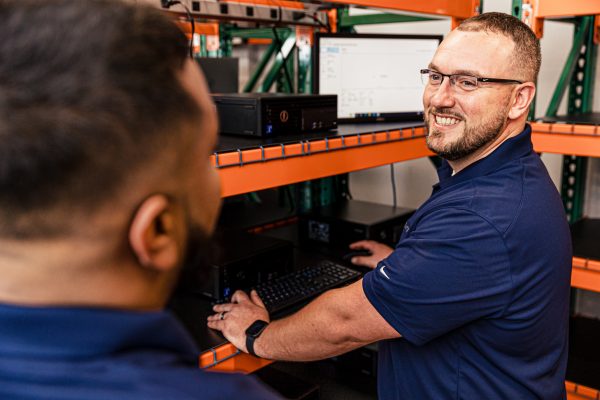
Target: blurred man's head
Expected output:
[106,128]
[465,115]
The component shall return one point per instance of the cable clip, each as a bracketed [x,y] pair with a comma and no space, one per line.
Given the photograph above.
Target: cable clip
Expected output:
[262,154]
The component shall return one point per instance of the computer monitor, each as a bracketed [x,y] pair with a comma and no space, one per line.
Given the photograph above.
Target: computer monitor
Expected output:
[376,77]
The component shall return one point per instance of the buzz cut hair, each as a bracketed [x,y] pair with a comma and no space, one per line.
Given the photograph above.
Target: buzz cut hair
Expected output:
[90,98]
[527,53]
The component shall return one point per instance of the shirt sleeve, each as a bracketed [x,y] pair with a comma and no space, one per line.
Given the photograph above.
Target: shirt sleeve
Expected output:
[452,269]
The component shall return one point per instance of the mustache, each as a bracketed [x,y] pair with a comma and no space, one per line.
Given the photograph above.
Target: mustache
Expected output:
[445,111]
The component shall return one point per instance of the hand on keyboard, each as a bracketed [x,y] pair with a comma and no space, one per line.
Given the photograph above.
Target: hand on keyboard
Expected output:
[232,319]
[303,285]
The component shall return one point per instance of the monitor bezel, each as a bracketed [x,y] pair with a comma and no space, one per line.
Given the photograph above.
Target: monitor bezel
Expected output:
[400,116]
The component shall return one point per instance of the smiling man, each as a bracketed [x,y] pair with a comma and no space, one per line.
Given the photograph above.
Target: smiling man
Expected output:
[473,302]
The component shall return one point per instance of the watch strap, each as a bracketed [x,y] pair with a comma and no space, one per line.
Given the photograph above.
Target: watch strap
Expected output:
[250,345]
[251,337]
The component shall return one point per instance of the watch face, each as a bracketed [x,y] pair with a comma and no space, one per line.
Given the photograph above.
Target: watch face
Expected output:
[256,328]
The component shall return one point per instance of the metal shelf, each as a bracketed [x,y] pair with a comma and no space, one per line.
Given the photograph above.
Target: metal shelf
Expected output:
[535,11]
[268,166]
[586,274]
[450,8]
[227,358]
[580,392]
[568,139]
[271,165]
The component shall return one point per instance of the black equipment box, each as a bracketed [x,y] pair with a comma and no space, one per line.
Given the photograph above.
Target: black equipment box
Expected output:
[275,114]
[244,260]
[348,221]
[221,73]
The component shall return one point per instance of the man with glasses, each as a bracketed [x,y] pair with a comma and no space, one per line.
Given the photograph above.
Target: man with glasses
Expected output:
[473,302]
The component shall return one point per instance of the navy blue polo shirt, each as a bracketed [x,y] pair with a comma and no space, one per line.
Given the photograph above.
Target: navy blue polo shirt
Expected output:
[478,286]
[84,353]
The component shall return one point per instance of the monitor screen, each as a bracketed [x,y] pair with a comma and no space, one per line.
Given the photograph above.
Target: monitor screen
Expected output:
[376,77]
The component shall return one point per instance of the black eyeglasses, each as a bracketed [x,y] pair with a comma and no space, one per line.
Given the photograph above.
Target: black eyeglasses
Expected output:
[467,83]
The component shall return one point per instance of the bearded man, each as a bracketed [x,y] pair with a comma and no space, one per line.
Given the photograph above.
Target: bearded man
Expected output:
[473,302]
[106,192]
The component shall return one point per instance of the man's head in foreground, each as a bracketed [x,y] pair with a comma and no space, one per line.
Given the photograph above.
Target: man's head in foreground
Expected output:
[465,113]
[106,128]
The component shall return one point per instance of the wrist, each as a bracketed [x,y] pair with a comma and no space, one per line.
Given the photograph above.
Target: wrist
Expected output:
[253,333]
[259,350]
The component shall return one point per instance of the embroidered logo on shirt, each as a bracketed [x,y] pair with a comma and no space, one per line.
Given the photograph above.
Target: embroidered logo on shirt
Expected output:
[383,272]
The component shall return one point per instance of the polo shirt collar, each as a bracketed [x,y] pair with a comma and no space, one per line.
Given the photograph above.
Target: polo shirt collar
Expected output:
[512,149]
[71,333]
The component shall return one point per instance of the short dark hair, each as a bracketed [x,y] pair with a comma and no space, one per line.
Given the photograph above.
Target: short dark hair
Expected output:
[527,53]
[89,94]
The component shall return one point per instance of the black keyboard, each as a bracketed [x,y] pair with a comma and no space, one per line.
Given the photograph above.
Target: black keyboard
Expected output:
[298,287]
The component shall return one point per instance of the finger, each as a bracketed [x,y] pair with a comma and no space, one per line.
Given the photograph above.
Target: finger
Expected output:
[364,261]
[239,297]
[256,299]
[216,317]
[362,244]
[225,307]
[217,325]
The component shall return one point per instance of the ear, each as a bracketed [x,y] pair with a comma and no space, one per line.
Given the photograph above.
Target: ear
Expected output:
[156,234]
[520,104]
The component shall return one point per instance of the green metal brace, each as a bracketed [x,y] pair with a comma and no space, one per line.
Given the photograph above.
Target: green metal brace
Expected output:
[578,74]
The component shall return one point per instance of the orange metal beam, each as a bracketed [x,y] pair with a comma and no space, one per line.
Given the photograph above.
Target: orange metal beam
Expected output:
[534,11]
[211,28]
[262,41]
[562,8]
[450,8]
[570,139]
[586,274]
[256,169]
[227,358]
[530,17]
[272,3]
[317,161]
[580,392]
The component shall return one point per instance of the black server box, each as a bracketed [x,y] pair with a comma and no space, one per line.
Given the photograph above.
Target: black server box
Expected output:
[244,260]
[275,114]
[339,224]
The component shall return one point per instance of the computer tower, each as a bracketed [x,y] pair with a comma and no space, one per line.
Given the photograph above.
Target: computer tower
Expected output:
[244,260]
[275,114]
[348,221]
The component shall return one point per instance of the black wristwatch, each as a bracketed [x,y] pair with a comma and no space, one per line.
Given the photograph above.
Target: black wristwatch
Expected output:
[253,332]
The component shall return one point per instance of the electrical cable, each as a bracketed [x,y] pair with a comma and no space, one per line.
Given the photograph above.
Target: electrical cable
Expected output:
[168,4]
[393,176]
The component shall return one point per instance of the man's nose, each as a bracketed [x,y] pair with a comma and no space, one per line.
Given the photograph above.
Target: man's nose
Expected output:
[443,97]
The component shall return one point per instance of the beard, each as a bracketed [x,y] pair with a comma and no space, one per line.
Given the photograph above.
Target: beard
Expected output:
[473,137]
[200,255]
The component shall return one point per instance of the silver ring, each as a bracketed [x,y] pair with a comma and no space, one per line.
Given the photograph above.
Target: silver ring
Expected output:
[222,316]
